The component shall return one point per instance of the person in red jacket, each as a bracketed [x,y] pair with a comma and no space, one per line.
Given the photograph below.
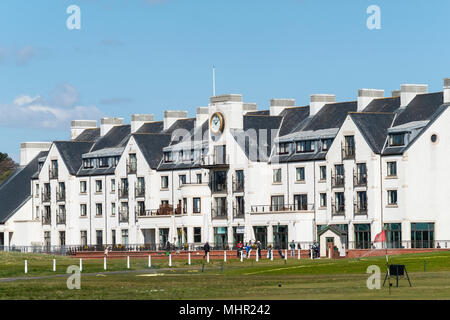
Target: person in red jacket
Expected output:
[239,249]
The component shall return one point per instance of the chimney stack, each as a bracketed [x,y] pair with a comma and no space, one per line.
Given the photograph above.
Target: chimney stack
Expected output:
[78,126]
[106,124]
[396,93]
[409,91]
[137,120]
[170,117]
[278,105]
[365,96]
[249,107]
[225,98]
[29,150]
[447,90]
[201,116]
[317,101]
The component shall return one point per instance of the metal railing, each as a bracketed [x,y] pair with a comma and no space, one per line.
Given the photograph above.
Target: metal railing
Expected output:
[360,180]
[53,173]
[61,217]
[360,208]
[61,195]
[47,219]
[164,210]
[131,167]
[348,152]
[46,196]
[218,187]
[123,192]
[238,185]
[140,191]
[338,209]
[238,213]
[219,212]
[215,160]
[337,181]
[298,207]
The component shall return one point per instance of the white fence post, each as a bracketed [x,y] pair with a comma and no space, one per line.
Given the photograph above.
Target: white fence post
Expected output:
[285,254]
[224,256]
[257,256]
[329,253]
[26,266]
[81,264]
[189,258]
[104,263]
[299,254]
[242,256]
[271,255]
[207,257]
[128,262]
[149,261]
[54,264]
[311,251]
[170,259]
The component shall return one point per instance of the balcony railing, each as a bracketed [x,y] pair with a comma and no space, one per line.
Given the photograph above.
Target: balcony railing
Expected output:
[131,167]
[46,196]
[219,212]
[61,195]
[360,209]
[123,216]
[215,160]
[123,192]
[338,209]
[337,181]
[164,210]
[238,213]
[218,186]
[238,185]
[53,173]
[61,217]
[140,191]
[282,208]
[47,219]
[360,180]
[348,152]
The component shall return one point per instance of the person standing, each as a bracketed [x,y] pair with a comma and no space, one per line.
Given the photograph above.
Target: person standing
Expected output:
[239,248]
[258,249]
[292,245]
[206,247]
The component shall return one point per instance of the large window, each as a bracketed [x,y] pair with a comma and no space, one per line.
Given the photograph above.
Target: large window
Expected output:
[277,175]
[99,236]
[300,174]
[220,237]
[362,236]
[280,236]
[301,202]
[305,146]
[393,235]
[196,205]
[164,182]
[261,235]
[392,197]
[277,203]
[125,236]
[392,169]
[197,234]
[422,235]
[83,237]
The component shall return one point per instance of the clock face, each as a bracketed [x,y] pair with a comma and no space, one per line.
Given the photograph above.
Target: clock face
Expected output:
[216,123]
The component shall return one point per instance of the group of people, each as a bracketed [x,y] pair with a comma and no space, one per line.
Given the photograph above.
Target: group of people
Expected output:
[248,249]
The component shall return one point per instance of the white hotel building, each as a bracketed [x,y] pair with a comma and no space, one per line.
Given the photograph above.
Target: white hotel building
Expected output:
[332,172]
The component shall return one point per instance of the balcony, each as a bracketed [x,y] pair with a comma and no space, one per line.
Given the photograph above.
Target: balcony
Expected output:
[338,209]
[337,181]
[238,213]
[46,196]
[131,167]
[238,185]
[53,173]
[348,152]
[360,209]
[164,210]
[61,217]
[281,208]
[123,216]
[360,180]
[61,195]
[215,161]
[46,219]
[123,192]
[219,212]
[218,186]
[140,191]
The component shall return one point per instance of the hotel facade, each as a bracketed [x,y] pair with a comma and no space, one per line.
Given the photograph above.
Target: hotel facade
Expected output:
[336,173]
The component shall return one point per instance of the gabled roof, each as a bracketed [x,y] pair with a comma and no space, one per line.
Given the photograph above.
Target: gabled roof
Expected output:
[373,127]
[330,116]
[422,107]
[117,136]
[71,152]
[151,127]
[186,124]
[389,104]
[293,118]
[151,146]
[16,190]
[89,135]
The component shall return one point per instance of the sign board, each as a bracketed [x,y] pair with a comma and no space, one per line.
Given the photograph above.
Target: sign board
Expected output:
[240,229]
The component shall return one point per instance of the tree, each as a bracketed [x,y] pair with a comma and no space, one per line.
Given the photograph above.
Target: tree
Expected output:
[7,166]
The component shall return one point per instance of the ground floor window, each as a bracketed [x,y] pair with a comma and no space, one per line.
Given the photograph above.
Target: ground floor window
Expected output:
[62,238]
[47,239]
[362,236]
[261,235]
[125,237]
[2,239]
[393,235]
[163,236]
[197,234]
[220,237]
[280,236]
[238,235]
[83,237]
[422,235]
[113,237]
[99,236]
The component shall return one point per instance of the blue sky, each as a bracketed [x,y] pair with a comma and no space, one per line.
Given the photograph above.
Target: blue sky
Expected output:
[147,56]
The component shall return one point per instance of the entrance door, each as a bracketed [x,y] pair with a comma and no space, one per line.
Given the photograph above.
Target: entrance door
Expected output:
[280,235]
[261,235]
[330,246]
[163,237]
[237,237]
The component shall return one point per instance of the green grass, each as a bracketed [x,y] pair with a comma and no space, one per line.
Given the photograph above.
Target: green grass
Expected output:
[304,279]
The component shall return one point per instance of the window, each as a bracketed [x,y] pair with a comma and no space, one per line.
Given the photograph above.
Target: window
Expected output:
[141,208]
[103,162]
[300,174]
[182,179]
[197,234]
[164,182]
[392,169]
[62,238]
[99,236]
[433,138]
[184,205]
[83,187]
[301,202]
[125,236]
[362,236]
[283,148]
[196,205]
[140,188]
[361,202]
[98,186]
[397,139]
[323,173]
[239,181]
[199,178]
[339,205]
[323,200]
[132,163]
[392,197]
[83,210]
[54,169]
[277,203]
[113,237]
[98,209]
[83,237]
[115,161]
[113,209]
[47,239]
[168,156]
[113,185]
[88,163]
[361,175]
[305,146]
[393,235]
[422,235]
[37,190]
[326,143]
[277,175]
[220,237]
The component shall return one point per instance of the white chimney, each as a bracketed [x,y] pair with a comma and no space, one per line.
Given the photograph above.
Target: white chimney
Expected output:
[29,150]
[278,105]
[106,124]
[78,126]
[170,117]
[409,91]
[137,120]
[249,107]
[365,96]
[317,101]
[201,116]
[396,93]
[224,98]
[447,90]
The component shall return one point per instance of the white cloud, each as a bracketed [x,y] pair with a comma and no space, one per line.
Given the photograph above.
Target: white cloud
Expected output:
[27,111]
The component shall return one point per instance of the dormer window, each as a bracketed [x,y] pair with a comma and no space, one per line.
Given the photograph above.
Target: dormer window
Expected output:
[88,163]
[103,162]
[168,156]
[397,139]
[326,144]
[283,148]
[305,146]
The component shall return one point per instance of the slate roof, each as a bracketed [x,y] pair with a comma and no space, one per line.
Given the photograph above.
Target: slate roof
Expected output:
[373,127]
[422,107]
[117,136]
[293,118]
[390,104]
[90,135]
[16,190]
[71,152]
[151,146]
[330,116]
[151,127]
[258,113]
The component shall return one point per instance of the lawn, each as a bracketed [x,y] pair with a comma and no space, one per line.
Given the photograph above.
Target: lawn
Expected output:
[278,279]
